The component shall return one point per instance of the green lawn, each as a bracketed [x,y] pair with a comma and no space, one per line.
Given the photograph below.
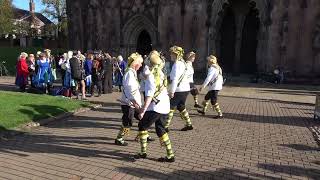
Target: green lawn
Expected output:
[10,55]
[20,108]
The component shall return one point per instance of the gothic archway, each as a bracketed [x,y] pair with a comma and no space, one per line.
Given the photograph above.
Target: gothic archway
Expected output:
[132,30]
[249,43]
[218,11]
[144,44]
[227,40]
[236,40]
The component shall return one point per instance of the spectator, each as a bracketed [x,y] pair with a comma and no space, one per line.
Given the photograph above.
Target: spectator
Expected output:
[119,72]
[88,70]
[22,72]
[107,73]
[43,80]
[97,76]
[31,68]
[78,73]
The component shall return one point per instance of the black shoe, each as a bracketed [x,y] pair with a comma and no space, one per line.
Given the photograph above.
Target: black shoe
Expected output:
[119,143]
[197,106]
[150,139]
[140,156]
[187,128]
[201,112]
[165,159]
[167,130]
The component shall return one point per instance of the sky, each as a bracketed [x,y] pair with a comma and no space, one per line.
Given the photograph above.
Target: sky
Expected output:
[24,4]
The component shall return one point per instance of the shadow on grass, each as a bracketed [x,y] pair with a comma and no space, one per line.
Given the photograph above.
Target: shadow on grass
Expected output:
[39,112]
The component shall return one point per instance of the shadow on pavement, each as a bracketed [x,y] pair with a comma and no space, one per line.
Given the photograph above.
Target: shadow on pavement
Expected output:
[310,173]
[301,147]
[66,145]
[223,173]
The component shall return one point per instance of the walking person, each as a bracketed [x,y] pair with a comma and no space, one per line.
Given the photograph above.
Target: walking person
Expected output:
[214,81]
[190,58]
[155,109]
[179,88]
[131,97]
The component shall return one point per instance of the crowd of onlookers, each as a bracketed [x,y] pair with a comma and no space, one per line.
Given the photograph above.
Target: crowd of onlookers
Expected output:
[80,74]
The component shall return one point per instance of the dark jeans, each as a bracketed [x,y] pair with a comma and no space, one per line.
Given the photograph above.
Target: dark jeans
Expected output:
[128,114]
[179,100]
[212,96]
[107,83]
[194,91]
[151,117]
[99,87]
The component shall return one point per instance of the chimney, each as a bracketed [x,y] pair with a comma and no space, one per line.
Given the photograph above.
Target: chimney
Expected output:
[32,6]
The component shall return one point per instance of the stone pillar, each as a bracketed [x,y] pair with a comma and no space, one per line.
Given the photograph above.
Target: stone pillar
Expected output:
[239,18]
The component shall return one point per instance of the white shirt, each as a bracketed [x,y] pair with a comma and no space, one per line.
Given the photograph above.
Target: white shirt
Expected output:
[213,73]
[66,63]
[178,70]
[163,106]
[190,71]
[131,88]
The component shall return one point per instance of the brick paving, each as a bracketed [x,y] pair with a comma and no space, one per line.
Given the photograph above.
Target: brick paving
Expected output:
[265,135]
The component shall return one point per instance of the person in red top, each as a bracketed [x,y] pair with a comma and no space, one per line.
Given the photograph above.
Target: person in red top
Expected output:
[22,72]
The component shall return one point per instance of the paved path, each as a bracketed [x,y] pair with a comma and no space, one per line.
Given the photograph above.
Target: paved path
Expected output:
[265,135]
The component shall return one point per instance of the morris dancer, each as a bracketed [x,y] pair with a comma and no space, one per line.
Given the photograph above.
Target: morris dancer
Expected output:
[131,97]
[155,109]
[214,81]
[179,88]
[191,56]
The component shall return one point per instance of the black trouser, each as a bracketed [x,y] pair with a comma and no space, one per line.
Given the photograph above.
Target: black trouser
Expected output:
[179,100]
[212,96]
[97,83]
[194,91]
[107,83]
[151,117]
[63,74]
[31,81]
[128,114]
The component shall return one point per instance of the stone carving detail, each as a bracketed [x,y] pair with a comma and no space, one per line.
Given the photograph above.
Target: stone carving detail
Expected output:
[316,38]
[130,8]
[194,32]
[171,34]
[114,25]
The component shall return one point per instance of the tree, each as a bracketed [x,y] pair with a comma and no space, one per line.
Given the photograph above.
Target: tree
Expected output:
[6,15]
[57,10]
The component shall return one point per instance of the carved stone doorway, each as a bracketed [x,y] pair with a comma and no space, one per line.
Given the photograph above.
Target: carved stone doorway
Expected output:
[227,41]
[238,36]
[248,57]
[144,43]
